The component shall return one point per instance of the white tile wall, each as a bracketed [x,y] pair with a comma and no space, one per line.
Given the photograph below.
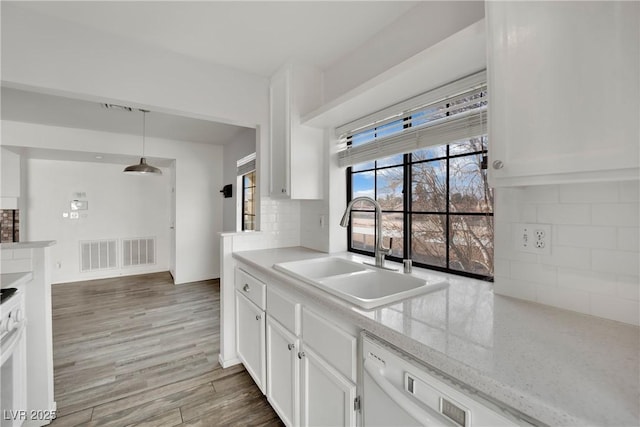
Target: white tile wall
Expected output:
[313,234]
[280,226]
[595,260]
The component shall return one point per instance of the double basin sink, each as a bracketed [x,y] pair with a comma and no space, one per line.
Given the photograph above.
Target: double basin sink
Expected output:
[354,282]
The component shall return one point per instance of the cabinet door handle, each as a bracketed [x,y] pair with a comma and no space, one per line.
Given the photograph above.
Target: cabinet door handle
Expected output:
[258,316]
[497,164]
[291,346]
[301,354]
[246,287]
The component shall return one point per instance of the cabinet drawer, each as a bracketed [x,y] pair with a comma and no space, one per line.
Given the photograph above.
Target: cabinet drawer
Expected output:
[283,309]
[251,287]
[336,346]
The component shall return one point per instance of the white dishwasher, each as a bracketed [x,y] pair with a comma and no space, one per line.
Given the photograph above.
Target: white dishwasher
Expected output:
[399,391]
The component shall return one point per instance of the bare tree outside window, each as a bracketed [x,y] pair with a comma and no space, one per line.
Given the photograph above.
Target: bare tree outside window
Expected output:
[446,217]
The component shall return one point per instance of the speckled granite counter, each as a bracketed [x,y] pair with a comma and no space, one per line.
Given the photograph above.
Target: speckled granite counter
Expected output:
[559,367]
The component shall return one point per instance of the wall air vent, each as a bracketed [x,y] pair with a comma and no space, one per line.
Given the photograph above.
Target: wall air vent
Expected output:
[138,251]
[97,255]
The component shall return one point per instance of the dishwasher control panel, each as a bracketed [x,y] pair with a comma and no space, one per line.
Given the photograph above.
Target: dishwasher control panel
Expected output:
[398,390]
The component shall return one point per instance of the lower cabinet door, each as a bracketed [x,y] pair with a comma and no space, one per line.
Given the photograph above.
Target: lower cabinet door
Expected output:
[250,338]
[327,396]
[282,372]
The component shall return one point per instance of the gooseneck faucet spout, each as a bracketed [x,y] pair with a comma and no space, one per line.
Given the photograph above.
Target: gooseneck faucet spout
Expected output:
[380,250]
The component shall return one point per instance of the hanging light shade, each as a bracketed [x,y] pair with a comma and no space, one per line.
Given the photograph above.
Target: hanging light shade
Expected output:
[142,168]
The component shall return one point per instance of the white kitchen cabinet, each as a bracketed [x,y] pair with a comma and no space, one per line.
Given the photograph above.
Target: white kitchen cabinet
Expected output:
[296,154]
[283,372]
[328,398]
[564,91]
[330,342]
[250,325]
[305,363]
[250,338]
[328,356]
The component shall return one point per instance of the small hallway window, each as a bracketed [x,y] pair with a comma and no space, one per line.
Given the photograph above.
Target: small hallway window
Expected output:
[248,201]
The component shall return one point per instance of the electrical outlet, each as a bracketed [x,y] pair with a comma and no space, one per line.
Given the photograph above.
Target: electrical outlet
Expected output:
[533,238]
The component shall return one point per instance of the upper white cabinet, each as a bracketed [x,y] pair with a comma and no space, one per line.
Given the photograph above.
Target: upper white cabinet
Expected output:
[564,91]
[296,155]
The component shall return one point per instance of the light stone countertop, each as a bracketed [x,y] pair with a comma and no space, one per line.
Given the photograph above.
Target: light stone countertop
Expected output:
[556,366]
[28,245]
[13,280]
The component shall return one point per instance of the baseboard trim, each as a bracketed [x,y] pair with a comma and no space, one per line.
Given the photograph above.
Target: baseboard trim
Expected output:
[228,363]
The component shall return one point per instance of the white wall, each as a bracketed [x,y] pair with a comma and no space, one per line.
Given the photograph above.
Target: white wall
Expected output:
[47,52]
[241,146]
[423,26]
[120,206]
[326,235]
[51,55]
[198,207]
[198,169]
[10,176]
[594,263]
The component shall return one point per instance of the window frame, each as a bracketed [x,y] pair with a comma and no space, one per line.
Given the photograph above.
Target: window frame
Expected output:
[243,215]
[407,212]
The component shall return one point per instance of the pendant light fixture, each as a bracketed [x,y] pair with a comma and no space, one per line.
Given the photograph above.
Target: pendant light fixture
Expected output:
[142,168]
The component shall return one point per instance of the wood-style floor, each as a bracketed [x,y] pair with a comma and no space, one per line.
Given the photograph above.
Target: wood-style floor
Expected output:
[140,351]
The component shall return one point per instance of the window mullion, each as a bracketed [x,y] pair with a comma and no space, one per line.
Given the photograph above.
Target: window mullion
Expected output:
[375,217]
[349,174]
[448,212]
[407,207]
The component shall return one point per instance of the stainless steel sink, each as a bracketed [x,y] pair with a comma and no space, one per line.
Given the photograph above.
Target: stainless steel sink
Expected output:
[363,286]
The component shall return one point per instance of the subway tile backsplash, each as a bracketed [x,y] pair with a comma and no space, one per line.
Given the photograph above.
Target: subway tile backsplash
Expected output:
[280,226]
[594,263]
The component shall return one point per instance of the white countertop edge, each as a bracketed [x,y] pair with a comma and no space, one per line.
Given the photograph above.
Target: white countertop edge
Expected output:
[13,280]
[487,385]
[28,245]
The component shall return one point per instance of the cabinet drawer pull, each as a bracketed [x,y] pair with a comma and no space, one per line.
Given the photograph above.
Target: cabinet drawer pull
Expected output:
[301,354]
[497,164]
[246,287]
[291,346]
[258,316]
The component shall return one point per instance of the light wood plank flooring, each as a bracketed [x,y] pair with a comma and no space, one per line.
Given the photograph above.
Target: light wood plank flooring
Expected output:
[140,351]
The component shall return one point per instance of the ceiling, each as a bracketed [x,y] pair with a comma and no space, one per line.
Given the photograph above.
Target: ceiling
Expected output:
[257,37]
[24,106]
[253,36]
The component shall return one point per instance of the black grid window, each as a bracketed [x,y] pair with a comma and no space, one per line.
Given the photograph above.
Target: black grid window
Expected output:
[436,206]
[248,201]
